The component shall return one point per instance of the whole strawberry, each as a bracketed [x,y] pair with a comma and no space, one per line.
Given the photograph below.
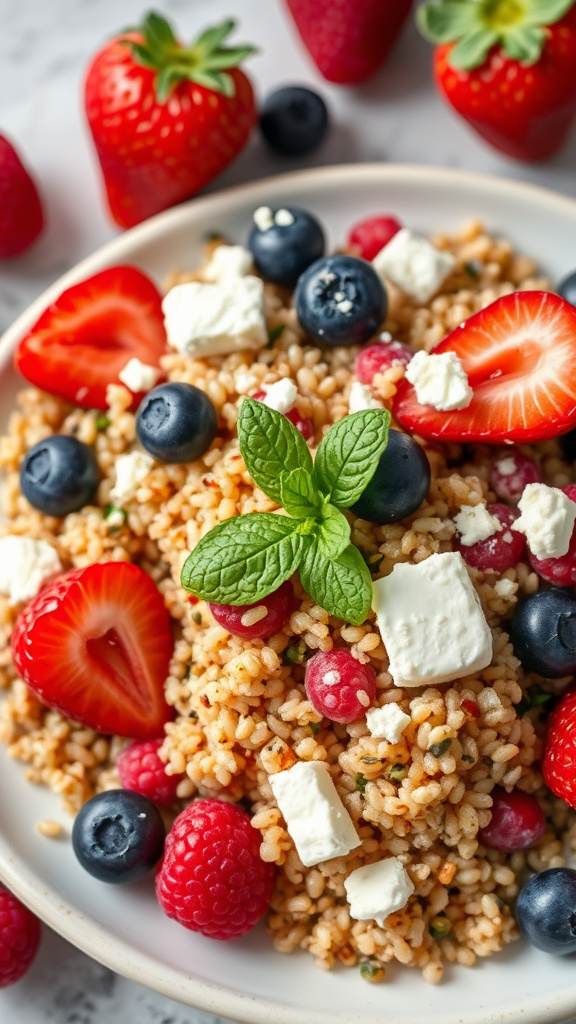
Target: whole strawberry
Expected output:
[21,217]
[508,68]
[165,119]
[559,758]
[19,938]
[348,40]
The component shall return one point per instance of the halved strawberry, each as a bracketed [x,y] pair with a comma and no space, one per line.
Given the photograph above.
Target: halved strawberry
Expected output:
[85,338]
[520,357]
[96,645]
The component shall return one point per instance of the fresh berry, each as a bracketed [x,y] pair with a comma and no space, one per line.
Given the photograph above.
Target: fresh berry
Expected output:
[503,550]
[84,339]
[21,216]
[302,423]
[399,485]
[339,686]
[176,422]
[212,878]
[380,357]
[255,621]
[284,242]
[545,910]
[567,288]
[520,357]
[195,105]
[369,236]
[559,758]
[118,836]
[95,644]
[543,632]
[508,69]
[559,571]
[340,300]
[517,821]
[294,120]
[20,934]
[348,42]
[141,770]
[509,474]
[59,475]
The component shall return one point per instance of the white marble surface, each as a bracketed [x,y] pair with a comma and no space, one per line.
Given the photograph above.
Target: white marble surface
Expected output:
[397,117]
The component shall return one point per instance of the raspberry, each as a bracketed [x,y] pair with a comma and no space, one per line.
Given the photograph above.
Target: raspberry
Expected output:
[380,357]
[517,821]
[273,610]
[339,686]
[510,473]
[499,552]
[212,878]
[19,938]
[141,770]
[559,571]
[369,236]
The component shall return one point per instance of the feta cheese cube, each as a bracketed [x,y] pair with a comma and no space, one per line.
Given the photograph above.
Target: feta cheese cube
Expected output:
[414,265]
[24,565]
[281,395]
[475,523]
[440,381]
[377,890]
[216,319]
[131,470]
[387,722]
[505,466]
[431,621]
[263,218]
[361,398]
[314,814]
[228,261]
[139,376]
[547,520]
[505,588]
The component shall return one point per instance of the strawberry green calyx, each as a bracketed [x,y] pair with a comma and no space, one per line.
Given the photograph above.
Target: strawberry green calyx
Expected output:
[475,26]
[205,62]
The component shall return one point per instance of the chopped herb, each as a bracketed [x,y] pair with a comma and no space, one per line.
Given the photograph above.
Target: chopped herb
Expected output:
[440,926]
[396,772]
[314,727]
[115,517]
[467,758]
[373,560]
[214,236]
[440,748]
[274,334]
[295,654]
[197,618]
[102,422]
[371,970]
[193,715]
[361,782]
[473,268]
[534,697]
[369,759]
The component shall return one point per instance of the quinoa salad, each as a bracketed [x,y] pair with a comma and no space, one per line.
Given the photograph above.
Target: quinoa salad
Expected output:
[381,691]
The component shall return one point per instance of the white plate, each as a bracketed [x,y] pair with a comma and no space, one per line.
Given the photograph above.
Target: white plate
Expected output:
[124,928]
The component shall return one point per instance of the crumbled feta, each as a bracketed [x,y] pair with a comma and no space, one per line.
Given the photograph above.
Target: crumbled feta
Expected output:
[263,218]
[139,376]
[131,470]
[281,395]
[283,218]
[377,890]
[314,814]
[431,621]
[216,319]
[505,587]
[414,265]
[506,466]
[439,380]
[547,520]
[228,261]
[475,523]
[361,398]
[24,565]
[387,722]
[344,305]
[245,382]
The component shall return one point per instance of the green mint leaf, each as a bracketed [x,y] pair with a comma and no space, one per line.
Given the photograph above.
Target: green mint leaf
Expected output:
[299,497]
[243,559]
[271,446]
[332,533]
[348,455]
[341,586]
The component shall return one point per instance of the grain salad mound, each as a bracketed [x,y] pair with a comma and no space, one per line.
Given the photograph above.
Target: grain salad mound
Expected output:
[241,710]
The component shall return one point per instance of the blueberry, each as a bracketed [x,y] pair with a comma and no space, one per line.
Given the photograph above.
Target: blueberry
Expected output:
[543,632]
[59,475]
[546,910]
[294,120]
[340,300]
[118,836]
[284,242]
[176,422]
[567,288]
[399,485]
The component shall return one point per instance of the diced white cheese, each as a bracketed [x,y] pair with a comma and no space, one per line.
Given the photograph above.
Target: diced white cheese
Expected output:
[377,890]
[245,382]
[314,813]
[139,376]
[505,587]
[216,319]
[475,523]
[131,470]
[24,565]
[387,722]
[431,621]
[506,466]
[263,218]
[283,218]
[414,265]
[547,520]
[440,380]
[281,395]
[361,398]
[228,261]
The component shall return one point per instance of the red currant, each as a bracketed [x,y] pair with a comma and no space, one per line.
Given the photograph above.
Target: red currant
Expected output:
[517,821]
[499,552]
[380,357]
[264,618]
[510,472]
[369,236]
[339,686]
[559,571]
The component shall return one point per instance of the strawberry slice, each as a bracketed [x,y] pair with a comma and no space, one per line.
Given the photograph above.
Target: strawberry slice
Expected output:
[85,338]
[520,357]
[96,645]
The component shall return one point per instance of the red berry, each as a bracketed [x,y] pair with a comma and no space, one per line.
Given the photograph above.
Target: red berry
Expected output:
[278,606]
[21,217]
[559,571]
[517,821]
[369,236]
[19,938]
[302,423]
[559,758]
[339,686]
[499,552]
[212,878]
[380,357]
[510,473]
[141,770]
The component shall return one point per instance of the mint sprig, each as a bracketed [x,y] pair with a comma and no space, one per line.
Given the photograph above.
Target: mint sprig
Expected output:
[247,557]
